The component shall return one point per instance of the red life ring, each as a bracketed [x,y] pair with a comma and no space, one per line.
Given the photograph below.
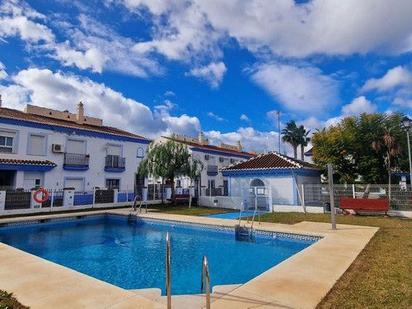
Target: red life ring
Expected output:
[44,194]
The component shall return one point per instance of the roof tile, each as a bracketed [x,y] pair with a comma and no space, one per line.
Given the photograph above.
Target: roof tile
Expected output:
[272,160]
[16,114]
[27,162]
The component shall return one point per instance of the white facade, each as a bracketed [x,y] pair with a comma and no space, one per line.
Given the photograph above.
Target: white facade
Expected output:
[285,188]
[213,158]
[80,155]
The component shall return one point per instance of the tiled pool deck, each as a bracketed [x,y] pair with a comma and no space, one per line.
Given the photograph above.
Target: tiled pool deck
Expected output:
[298,282]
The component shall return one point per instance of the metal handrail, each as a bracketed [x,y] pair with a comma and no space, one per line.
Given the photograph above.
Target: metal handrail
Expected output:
[205,284]
[168,273]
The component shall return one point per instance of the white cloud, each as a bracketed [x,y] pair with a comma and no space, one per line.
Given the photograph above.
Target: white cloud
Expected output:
[62,91]
[284,27]
[300,89]
[89,45]
[95,46]
[358,106]
[396,87]
[215,117]
[3,73]
[395,77]
[316,27]
[181,31]
[244,117]
[169,93]
[18,19]
[213,73]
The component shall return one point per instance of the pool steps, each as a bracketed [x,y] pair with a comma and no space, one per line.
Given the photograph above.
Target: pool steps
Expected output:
[244,233]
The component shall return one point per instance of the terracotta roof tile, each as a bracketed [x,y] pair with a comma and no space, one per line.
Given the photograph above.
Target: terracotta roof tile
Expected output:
[16,114]
[272,160]
[27,162]
[214,148]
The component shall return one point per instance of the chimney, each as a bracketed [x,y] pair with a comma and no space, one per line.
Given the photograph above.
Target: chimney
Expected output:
[80,113]
[202,139]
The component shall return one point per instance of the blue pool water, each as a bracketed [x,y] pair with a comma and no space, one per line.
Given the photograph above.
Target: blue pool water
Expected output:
[232,215]
[131,253]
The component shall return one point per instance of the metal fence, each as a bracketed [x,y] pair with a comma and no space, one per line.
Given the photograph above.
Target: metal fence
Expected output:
[19,199]
[400,197]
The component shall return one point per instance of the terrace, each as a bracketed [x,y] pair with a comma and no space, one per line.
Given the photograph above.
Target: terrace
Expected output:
[342,246]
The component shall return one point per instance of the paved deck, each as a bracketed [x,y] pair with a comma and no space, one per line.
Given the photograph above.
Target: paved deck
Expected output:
[298,282]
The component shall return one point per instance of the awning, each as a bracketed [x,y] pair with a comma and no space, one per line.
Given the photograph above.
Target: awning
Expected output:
[26,165]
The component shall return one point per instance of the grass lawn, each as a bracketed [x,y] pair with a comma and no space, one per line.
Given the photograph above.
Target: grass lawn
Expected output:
[185,210]
[381,277]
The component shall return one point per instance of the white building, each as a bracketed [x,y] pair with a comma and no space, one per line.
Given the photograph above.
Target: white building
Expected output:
[55,149]
[287,179]
[213,158]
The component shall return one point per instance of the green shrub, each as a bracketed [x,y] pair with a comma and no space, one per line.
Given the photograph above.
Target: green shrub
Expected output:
[7,301]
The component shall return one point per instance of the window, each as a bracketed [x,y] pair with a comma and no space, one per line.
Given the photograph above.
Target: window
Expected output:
[232,161]
[206,157]
[76,183]
[114,150]
[76,146]
[112,183]
[140,152]
[6,144]
[221,159]
[36,145]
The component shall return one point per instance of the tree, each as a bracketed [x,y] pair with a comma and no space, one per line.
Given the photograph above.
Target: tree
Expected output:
[347,145]
[291,136]
[193,171]
[389,147]
[304,139]
[167,160]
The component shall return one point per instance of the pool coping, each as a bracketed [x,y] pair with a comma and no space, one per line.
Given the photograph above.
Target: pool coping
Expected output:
[300,281]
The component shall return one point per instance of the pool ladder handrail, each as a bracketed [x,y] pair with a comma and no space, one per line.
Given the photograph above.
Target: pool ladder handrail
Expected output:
[205,282]
[140,206]
[168,273]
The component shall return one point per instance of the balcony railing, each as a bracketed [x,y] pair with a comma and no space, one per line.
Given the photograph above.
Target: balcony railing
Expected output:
[115,163]
[76,161]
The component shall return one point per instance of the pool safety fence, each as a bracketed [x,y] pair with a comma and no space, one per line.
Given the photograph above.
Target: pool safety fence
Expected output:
[311,197]
[20,201]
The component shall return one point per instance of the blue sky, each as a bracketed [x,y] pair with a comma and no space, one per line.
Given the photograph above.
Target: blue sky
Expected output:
[161,66]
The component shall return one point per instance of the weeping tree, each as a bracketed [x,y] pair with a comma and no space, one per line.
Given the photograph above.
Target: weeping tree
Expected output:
[194,170]
[167,160]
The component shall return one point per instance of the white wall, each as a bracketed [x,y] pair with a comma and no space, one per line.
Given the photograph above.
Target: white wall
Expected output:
[282,187]
[213,160]
[95,147]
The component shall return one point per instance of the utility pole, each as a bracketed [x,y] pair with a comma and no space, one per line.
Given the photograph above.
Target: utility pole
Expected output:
[278,116]
[331,197]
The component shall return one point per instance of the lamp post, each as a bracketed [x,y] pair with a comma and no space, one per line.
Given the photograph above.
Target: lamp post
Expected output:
[407,123]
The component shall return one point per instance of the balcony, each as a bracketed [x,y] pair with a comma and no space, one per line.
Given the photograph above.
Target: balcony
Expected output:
[212,170]
[114,164]
[76,161]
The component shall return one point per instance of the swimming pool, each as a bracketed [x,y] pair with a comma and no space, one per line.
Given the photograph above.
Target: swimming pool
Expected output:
[129,252]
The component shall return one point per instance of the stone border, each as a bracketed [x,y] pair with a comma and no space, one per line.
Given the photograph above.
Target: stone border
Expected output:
[301,281]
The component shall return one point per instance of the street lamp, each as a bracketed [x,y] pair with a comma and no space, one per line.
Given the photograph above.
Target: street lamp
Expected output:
[407,124]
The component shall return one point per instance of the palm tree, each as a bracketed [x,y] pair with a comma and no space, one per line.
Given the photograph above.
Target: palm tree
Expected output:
[389,147]
[304,138]
[291,136]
